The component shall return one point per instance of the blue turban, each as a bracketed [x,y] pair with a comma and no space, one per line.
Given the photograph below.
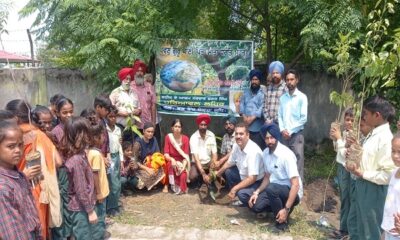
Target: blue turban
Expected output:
[272,129]
[255,73]
[232,119]
[277,65]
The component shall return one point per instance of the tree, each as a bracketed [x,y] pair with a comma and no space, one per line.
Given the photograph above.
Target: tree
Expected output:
[103,36]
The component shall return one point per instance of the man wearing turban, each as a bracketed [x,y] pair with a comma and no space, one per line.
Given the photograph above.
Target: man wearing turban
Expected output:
[251,107]
[274,91]
[244,169]
[228,140]
[125,100]
[292,116]
[203,147]
[281,189]
[145,92]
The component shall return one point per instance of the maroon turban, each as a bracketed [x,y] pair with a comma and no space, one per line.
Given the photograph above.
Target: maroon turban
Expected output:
[203,117]
[123,73]
[136,65]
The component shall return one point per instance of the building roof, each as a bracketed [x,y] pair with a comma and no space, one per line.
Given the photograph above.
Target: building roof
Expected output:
[13,58]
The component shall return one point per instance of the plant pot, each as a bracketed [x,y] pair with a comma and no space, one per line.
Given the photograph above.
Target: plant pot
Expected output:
[354,155]
[336,125]
[33,158]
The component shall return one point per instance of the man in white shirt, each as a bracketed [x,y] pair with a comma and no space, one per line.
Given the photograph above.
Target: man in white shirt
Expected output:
[203,148]
[281,188]
[244,168]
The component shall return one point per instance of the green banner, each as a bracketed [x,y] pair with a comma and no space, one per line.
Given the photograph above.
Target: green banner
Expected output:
[203,76]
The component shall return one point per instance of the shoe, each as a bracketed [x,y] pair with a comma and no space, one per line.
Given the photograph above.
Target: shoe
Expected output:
[338,234]
[281,227]
[109,221]
[177,190]
[237,203]
[262,215]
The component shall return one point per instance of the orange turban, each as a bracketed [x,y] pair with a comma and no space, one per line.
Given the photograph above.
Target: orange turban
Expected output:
[124,72]
[136,65]
[203,117]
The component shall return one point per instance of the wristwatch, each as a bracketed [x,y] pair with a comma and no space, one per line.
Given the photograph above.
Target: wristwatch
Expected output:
[287,209]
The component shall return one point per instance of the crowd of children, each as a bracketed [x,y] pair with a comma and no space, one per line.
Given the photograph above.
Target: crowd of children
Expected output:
[368,205]
[62,175]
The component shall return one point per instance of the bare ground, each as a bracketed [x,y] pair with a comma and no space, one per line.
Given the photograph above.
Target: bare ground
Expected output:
[197,210]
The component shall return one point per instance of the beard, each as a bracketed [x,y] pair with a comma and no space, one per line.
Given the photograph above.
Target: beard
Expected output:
[139,80]
[229,131]
[202,131]
[276,80]
[125,86]
[254,88]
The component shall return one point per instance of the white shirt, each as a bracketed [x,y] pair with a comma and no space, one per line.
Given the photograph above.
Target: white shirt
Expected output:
[392,203]
[249,161]
[204,148]
[282,166]
[341,149]
[376,160]
[124,101]
[114,137]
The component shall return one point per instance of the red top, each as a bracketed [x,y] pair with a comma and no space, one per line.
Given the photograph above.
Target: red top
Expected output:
[170,149]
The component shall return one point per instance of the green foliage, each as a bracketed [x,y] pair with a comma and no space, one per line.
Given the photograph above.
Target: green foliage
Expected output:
[103,36]
[373,67]
[5,6]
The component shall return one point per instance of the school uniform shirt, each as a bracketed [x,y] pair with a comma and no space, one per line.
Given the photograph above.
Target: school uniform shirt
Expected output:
[376,162]
[115,145]
[249,161]
[341,149]
[81,187]
[282,166]
[96,161]
[204,148]
[292,114]
[19,216]
[392,203]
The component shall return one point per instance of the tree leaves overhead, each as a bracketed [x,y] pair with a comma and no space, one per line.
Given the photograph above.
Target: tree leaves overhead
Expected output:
[108,34]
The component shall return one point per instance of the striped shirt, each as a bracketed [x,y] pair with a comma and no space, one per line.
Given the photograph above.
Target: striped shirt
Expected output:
[19,216]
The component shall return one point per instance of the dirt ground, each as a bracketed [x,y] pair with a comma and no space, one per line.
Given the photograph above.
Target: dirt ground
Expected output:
[196,209]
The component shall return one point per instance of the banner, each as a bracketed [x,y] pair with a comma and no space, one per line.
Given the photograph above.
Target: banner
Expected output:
[203,76]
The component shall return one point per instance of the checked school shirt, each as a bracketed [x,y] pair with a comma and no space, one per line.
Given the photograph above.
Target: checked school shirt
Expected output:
[19,216]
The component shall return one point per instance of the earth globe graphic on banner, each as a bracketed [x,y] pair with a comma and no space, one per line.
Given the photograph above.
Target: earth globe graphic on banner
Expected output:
[180,76]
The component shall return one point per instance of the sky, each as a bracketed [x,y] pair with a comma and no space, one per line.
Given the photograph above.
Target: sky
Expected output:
[16,41]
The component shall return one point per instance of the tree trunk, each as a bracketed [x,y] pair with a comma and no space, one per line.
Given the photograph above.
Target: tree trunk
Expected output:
[267,29]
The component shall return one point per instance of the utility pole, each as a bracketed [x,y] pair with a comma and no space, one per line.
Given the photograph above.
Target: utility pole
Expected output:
[31,46]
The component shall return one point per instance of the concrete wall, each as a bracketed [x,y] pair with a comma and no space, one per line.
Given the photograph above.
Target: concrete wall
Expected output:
[38,85]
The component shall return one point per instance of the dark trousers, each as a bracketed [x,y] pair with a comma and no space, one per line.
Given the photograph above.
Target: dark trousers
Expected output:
[278,195]
[296,144]
[344,189]
[258,139]
[262,204]
[233,178]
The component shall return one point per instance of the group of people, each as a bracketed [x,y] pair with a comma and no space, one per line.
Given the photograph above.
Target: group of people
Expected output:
[61,175]
[368,173]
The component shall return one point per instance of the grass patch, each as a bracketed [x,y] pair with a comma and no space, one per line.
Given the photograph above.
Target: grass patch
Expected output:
[319,161]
